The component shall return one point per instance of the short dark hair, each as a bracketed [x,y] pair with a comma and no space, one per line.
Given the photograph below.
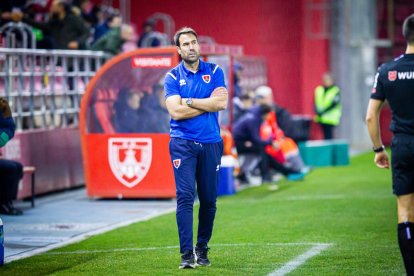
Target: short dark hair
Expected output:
[245,96]
[265,109]
[408,29]
[65,5]
[184,30]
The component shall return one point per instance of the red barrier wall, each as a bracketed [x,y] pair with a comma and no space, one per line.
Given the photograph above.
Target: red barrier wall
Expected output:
[273,29]
[55,153]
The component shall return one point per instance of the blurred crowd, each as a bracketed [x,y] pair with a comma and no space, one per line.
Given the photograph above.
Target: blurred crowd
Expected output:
[74,24]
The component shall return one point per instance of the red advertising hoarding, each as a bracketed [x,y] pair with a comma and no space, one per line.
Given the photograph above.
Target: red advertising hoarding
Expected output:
[124,127]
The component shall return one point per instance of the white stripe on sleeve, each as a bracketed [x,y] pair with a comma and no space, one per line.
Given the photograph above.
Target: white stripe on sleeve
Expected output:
[215,68]
[169,73]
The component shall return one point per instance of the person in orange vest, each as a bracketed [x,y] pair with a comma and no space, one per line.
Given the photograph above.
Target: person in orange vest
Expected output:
[286,152]
[252,146]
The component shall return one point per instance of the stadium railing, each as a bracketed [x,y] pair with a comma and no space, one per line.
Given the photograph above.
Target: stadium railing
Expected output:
[44,89]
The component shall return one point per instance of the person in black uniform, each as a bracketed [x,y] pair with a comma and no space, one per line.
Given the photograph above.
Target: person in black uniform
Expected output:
[394,82]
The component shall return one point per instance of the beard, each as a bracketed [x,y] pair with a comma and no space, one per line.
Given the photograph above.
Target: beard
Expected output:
[191,60]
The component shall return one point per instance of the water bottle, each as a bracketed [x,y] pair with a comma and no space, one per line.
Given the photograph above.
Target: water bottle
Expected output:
[1,243]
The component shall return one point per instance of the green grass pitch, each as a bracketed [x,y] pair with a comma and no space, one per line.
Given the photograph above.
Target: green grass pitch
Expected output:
[256,232]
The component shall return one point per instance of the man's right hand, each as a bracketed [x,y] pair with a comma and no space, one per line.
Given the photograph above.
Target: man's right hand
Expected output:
[381,160]
[5,108]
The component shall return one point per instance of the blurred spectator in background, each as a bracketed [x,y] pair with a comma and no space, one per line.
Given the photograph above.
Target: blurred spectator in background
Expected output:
[129,116]
[242,104]
[158,117]
[113,40]
[147,29]
[7,126]
[64,30]
[327,105]
[10,171]
[286,152]
[112,21]
[10,11]
[237,72]
[298,130]
[251,146]
[87,11]
[7,7]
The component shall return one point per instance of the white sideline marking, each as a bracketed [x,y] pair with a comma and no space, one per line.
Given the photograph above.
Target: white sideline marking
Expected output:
[86,235]
[313,197]
[300,260]
[176,246]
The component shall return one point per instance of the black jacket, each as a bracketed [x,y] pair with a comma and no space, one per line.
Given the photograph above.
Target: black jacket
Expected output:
[71,28]
[247,127]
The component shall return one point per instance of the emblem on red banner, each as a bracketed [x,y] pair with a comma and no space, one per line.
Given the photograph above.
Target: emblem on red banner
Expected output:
[392,75]
[130,159]
[206,78]
[177,163]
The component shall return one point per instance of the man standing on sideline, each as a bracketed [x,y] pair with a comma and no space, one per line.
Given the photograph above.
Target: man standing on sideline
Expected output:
[327,105]
[394,82]
[195,92]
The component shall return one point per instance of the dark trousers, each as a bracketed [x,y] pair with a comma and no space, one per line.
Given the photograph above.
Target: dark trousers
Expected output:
[402,162]
[195,162]
[11,172]
[327,131]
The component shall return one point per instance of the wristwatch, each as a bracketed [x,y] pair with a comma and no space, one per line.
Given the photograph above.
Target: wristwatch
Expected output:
[379,149]
[189,101]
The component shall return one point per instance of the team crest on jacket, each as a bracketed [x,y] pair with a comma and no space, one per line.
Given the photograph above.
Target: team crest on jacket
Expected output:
[206,78]
[130,159]
[177,163]
[392,75]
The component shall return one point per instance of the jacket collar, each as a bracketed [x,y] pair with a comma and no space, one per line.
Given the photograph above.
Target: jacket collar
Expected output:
[201,67]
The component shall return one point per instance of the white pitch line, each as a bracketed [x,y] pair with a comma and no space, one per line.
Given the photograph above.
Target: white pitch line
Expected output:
[300,260]
[76,252]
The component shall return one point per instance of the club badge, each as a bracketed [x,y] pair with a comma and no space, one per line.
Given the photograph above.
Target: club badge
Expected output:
[130,159]
[206,78]
[177,163]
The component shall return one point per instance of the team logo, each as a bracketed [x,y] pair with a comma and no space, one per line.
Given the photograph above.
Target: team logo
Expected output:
[177,163]
[206,78]
[182,82]
[130,159]
[392,75]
